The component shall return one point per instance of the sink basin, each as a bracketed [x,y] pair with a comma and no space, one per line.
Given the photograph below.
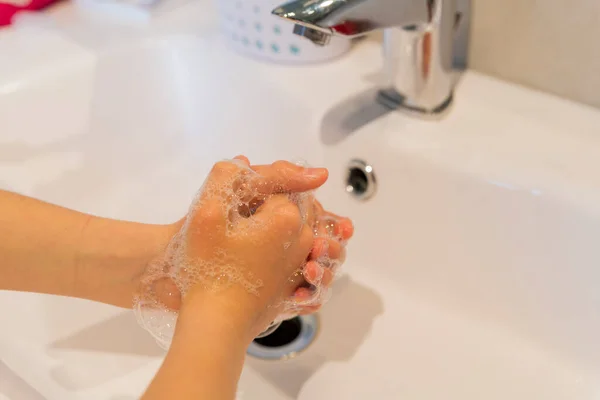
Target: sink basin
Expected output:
[474,270]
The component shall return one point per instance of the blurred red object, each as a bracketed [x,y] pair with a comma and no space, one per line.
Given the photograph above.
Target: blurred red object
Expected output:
[8,8]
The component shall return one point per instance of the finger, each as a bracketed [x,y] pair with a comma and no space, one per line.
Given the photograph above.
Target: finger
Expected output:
[326,247]
[317,274]
[279,212]
[285,177]
[243,159]
[303,294]
[276,204]
[223,174]
[335,227]
[313,273]
[319,248]
[226,169]
[343,227]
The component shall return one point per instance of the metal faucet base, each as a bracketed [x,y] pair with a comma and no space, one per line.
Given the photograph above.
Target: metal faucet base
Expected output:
[395,101]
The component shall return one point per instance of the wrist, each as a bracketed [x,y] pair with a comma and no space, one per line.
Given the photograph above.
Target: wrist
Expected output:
[222,312]
[206,356]
[113,256]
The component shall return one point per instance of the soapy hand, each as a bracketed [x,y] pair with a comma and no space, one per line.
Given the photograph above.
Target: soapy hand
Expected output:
[255,245]
[331,233]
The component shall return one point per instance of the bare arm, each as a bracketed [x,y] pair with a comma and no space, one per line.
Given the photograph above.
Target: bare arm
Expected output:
[49,249]
[207,354]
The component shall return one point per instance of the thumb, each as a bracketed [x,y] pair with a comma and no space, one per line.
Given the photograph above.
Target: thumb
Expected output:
[285,177]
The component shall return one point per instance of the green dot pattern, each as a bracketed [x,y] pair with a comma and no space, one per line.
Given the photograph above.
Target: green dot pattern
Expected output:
[275,48]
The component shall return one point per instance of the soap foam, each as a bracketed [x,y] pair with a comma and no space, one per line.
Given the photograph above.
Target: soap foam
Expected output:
[241,195]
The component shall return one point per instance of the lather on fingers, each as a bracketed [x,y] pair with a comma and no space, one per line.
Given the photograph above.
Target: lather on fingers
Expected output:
[332,231]
[286,177]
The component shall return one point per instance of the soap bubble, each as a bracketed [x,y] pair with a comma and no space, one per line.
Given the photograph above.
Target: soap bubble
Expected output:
[242,194]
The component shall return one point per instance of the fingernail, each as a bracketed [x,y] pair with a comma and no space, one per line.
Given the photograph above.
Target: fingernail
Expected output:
[315,172]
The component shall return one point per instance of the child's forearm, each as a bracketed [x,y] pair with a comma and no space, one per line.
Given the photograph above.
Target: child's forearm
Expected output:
[206,356]
[49,249]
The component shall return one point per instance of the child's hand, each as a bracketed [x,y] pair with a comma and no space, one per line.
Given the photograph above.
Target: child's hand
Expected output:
[250,238]
[245,240]
[331,235]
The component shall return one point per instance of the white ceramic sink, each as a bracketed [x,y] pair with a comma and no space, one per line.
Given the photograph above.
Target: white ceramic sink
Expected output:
[474,273]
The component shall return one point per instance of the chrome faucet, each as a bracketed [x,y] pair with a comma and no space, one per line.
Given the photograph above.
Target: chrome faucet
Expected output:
[417,43]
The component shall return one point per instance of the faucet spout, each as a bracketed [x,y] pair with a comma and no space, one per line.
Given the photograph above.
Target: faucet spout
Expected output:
[417,48]
[352,18]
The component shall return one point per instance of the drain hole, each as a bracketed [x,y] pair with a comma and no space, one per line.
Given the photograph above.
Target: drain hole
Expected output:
[288,340]
[287,332]
[357,180]
[360,180]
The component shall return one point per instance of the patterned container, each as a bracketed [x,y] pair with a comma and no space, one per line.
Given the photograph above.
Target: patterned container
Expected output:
[251,29]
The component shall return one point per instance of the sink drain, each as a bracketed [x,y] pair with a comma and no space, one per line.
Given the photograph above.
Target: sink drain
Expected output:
[290,338]
[360,180]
